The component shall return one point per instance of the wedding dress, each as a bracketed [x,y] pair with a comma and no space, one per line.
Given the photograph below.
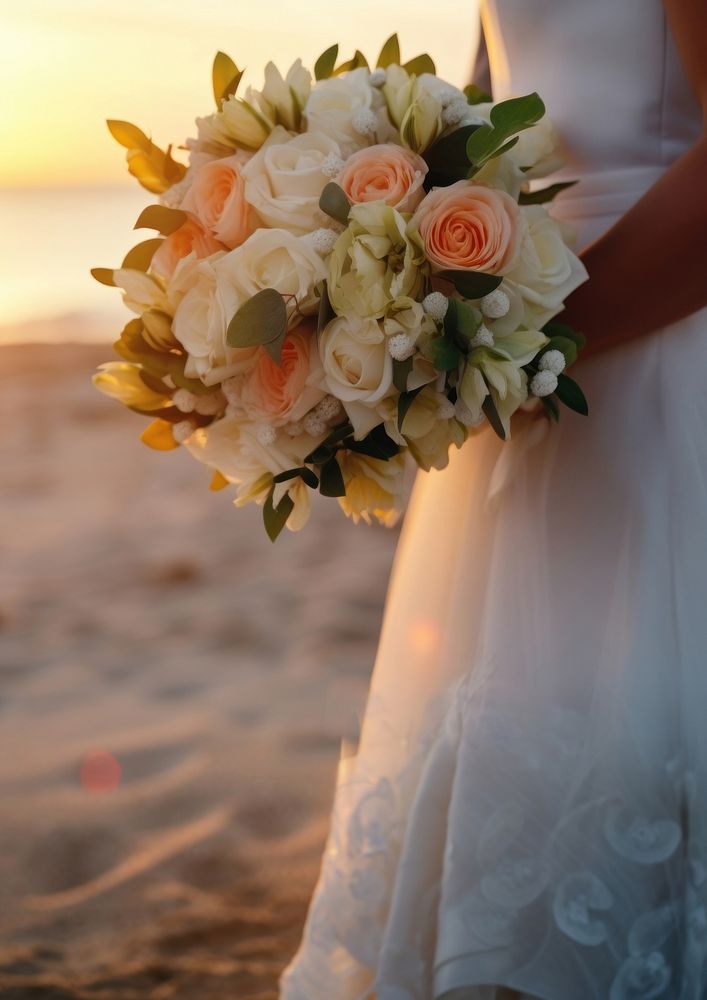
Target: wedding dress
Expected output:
[528,804]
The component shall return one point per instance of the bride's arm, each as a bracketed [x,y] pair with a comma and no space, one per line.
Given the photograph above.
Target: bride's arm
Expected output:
[650,269]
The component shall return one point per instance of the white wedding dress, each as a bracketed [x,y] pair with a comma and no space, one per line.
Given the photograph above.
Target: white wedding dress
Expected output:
[528,805]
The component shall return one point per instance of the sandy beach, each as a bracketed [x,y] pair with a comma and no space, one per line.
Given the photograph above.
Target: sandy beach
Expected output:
[175,693]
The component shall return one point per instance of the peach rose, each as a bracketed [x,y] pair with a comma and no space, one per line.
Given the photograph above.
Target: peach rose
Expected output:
[275,394]
[216,197]
[385,173]
[469,227]
[191,236]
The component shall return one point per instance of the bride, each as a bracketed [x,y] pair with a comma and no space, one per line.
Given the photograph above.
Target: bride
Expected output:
[527,811]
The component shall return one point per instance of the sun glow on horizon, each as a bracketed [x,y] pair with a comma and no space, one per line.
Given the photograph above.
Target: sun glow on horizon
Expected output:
[71,64]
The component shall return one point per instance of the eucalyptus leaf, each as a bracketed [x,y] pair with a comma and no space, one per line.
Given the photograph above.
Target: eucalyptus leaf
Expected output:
[554,329]
[472,284]
[491,413]
[405,401]
[401,370]
[274,518]
[545,194]
[569,393]
[324,66]
[517,113]
[140,257]
[334,203]
[104,275]
[262,320]
[423,63]
[333,438]
[164,220]
[566,346]
[390,53]
[331,480]
[475,95]
[447,158]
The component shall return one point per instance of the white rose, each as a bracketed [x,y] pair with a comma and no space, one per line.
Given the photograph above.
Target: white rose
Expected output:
[333,104]
[358,368]
[547,270]
[233,448]
[270,258]
[200,323]
[284,180]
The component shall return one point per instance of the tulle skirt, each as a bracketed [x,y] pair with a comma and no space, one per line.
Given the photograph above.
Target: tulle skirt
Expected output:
[528,804]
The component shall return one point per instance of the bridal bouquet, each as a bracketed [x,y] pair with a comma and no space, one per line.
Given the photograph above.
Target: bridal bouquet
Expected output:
[351,268]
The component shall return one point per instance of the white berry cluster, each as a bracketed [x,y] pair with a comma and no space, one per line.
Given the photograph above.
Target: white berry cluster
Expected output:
[436,305]
[332,165]
[205,405]
[378,77]
[401,346]
[550,366]
[482,338]
[182,431]
[323,240]
[364,121]
[495,304]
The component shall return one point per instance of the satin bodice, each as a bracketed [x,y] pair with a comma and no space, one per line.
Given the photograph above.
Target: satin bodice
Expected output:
[611,78]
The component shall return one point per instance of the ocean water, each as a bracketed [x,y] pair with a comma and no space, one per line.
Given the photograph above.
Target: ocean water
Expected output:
[52,237]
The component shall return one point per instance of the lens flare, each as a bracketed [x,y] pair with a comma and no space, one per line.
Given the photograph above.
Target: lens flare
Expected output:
[100,771]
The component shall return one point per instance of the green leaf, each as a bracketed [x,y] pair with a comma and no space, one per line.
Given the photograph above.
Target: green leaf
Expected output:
[566,346]
[274,518]
[475,95]
[423,63]
[262,320]
[443,354]
[377,444]
[154,382]
[472,284]
[551,408]
[359,61]
[140,257]
[544,195]
[104,275]
[517,113]
[554,329]
[489,408]
[405,401]
[447,159]
[326,312]
[129,136]
[226,76]
[334,203]
[401,370]
[324,66]
[331,480]
[390,53]
[164,220]
[306,475]
[461,320]
[333,438]
[569,393]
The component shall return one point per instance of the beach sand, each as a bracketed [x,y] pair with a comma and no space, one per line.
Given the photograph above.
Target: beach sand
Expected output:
[175,693]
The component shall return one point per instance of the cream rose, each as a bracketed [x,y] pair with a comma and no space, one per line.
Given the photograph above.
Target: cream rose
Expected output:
[469,227]
[385,173]
[191,237]
[427,435]
[216,198]
[358,368]
[284,180]
[334,104]
[546,270]
[375,261]
[275,394]
[270,258]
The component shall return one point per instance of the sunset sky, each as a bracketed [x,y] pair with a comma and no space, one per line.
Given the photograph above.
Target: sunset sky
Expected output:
[66,65]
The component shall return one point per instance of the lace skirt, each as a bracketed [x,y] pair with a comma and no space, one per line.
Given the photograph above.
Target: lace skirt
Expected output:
[527,807]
